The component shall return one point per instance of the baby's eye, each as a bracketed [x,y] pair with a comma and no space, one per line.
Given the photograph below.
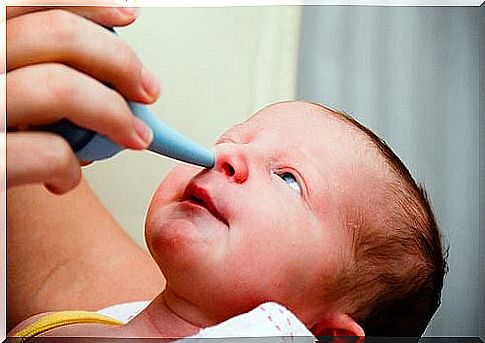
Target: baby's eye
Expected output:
[290,179]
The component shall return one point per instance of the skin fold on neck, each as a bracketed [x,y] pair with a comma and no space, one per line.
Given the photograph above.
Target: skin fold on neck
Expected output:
[170,315]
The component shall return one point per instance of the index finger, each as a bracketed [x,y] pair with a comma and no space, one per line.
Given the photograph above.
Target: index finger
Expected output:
[106,16]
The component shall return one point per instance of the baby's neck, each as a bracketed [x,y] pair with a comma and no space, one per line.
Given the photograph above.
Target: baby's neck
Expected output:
[170,316]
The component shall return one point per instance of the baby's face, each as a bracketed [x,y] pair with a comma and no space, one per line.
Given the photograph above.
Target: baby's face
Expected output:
[264,223]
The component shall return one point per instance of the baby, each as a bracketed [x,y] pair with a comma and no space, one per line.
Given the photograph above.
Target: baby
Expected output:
[304,207]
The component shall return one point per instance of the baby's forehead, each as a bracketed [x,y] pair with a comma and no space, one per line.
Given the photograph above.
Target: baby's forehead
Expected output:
[302,127]
[298,116]
[294,110]
[330,133]
[330,151]
[305,129]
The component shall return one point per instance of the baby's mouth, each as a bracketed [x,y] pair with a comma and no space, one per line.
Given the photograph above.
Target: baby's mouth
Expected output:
[201,197]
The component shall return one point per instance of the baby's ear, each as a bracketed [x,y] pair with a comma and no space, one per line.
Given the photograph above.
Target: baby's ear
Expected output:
[340,326]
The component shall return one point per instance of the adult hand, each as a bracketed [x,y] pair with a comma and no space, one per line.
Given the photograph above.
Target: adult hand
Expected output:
[59,61]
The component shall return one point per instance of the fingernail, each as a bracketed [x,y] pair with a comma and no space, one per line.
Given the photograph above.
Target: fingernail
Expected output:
[150,82]
[143,132]
[128,11]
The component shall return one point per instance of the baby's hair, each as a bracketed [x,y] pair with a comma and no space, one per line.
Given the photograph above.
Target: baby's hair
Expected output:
[395,279]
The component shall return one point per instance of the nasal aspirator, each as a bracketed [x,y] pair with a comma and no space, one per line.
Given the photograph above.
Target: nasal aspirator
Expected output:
[91,146]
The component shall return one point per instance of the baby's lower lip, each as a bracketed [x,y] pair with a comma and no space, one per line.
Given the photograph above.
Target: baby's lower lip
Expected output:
[195,203]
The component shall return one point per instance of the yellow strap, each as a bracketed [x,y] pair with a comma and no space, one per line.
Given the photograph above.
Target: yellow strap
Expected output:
[58,319]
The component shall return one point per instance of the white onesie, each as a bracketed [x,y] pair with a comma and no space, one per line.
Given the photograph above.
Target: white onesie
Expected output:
[269,320]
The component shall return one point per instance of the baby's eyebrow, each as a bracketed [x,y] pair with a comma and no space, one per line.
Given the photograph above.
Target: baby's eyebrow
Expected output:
[234,134]
[227,136]
[225,139]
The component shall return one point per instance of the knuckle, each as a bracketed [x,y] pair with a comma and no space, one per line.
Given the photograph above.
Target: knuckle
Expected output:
[62,24]
[127,60]
[120,113]
[59,82]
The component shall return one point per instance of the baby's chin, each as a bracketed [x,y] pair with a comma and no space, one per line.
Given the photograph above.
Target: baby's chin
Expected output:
[179,244]
[176,230]
[167,236]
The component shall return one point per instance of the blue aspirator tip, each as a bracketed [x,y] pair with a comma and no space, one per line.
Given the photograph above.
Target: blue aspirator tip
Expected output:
[171,143]
[91,146]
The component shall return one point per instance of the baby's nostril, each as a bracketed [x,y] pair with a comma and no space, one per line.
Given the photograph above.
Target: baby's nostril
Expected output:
[228,169]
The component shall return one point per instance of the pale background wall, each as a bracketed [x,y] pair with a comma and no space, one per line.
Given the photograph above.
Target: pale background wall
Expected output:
[412,75]
[217,66]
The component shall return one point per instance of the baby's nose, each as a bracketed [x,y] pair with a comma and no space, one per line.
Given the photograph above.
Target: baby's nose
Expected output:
[232,164]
